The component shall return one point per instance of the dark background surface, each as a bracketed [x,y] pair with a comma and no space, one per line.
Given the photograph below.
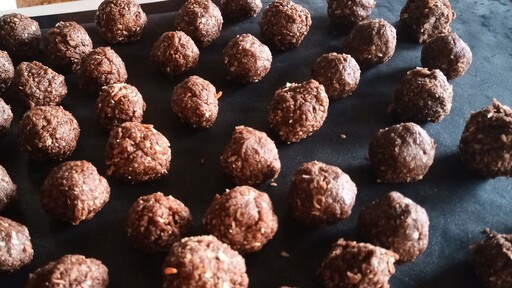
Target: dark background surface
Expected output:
[460,204]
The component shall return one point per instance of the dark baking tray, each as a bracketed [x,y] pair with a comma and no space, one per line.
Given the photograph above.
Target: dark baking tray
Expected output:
[460,204]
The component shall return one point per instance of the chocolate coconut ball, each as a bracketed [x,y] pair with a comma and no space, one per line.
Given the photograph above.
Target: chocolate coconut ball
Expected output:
[246,59]
[401,153]
[175,53]
[250,157]
[74,192]
[48,133]
[204,261]
[357,265]
[284,24]
[427,18]
[156,221]
[137,152]
[120,21]
[119,103]
[371,42]
[242,217]
[16,249]
[349,12]
[195,102]
[486,142]
[396,223]
[19,35]
[423,95]
[239,9]
[5,118]
[37,85]
[201,20]
[7,189]
[339,73]
[298,110]
[101,67]
[321,194]
[70,271]
[6,71]
[447,53]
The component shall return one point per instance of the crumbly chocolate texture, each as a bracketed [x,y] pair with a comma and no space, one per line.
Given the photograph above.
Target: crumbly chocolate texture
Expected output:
[284,24]
[250,157]
[7,189]
[486,142]
[243,218]
[5,118]
[239,9]
[156,221]
[423,95]
[66,44]
[298,110]
[349,12]
[74,192]
[401,153]
[201,20]
[37,85]
[204,261]
[101,67]
[70,271]
[396,223]
[339,73]
[371,42]
[6,71]
[119,103]
[321,194]
[16,249]
[137,152]
[246,59]
[19,35]
[195,102]
[48,133]
[357,265]
[175,53]
[120,21]
[427,18]
[447,53]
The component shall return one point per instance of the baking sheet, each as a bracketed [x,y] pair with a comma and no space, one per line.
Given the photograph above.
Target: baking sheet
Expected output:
[460,204]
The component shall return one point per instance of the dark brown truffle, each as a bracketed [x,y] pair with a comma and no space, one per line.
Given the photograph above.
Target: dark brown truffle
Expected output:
[137,152]
[423,95]
[70,271]
[396,223]
[101,67]
[7,189]
[119,103]
[321,194]
[19,35]
[156,221]
[37,85]
[447,53]
[284,24]
[357,265]
[74,192]
[427,18]
[401,153]
[201,20]
[250,157]
[243,218]
[16,249]
[175,53]
[6,71]
[5,118]
[246,59]
[195,102]
[48,133]
[486,142]
[204,261]
[120,21]
[239,9]
[371,42]
[349,12]
[298,110]
[339,73]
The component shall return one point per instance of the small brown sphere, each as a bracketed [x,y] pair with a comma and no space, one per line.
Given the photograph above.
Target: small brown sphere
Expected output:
[201,20]
[19,35]
[349,12]
[101,67]
[16,249]
[119,103]
[239,9]
[7,189]
[339,73]
[5,118]
[156,221]
[175,53]
[120,21]
[284,24]
[246,59]
[6,71]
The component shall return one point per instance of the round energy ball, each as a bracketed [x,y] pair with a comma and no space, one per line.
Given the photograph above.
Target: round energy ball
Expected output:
[284,24]
[101,67]
[5,118]
[239,9]
[175,53]
[19,35]
[119,103]
[349,12]
[156,221]
[48,133]
[339,73]
[201,20]
[16,250]
[120,21]
[7,189]
[246,59]
[6,71]
[401,153]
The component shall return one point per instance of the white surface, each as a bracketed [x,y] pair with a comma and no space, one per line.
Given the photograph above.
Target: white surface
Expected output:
[7,5]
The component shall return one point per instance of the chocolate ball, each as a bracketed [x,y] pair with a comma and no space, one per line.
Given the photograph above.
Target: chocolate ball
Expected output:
[101,67]
[19,35]
[175,53]
[5,118]
[246,59]
[7,189]
[16,249]
[6,71]
[119,103]
[239,9]
[349,12]
[120,21]
[339,73]
[201,20]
